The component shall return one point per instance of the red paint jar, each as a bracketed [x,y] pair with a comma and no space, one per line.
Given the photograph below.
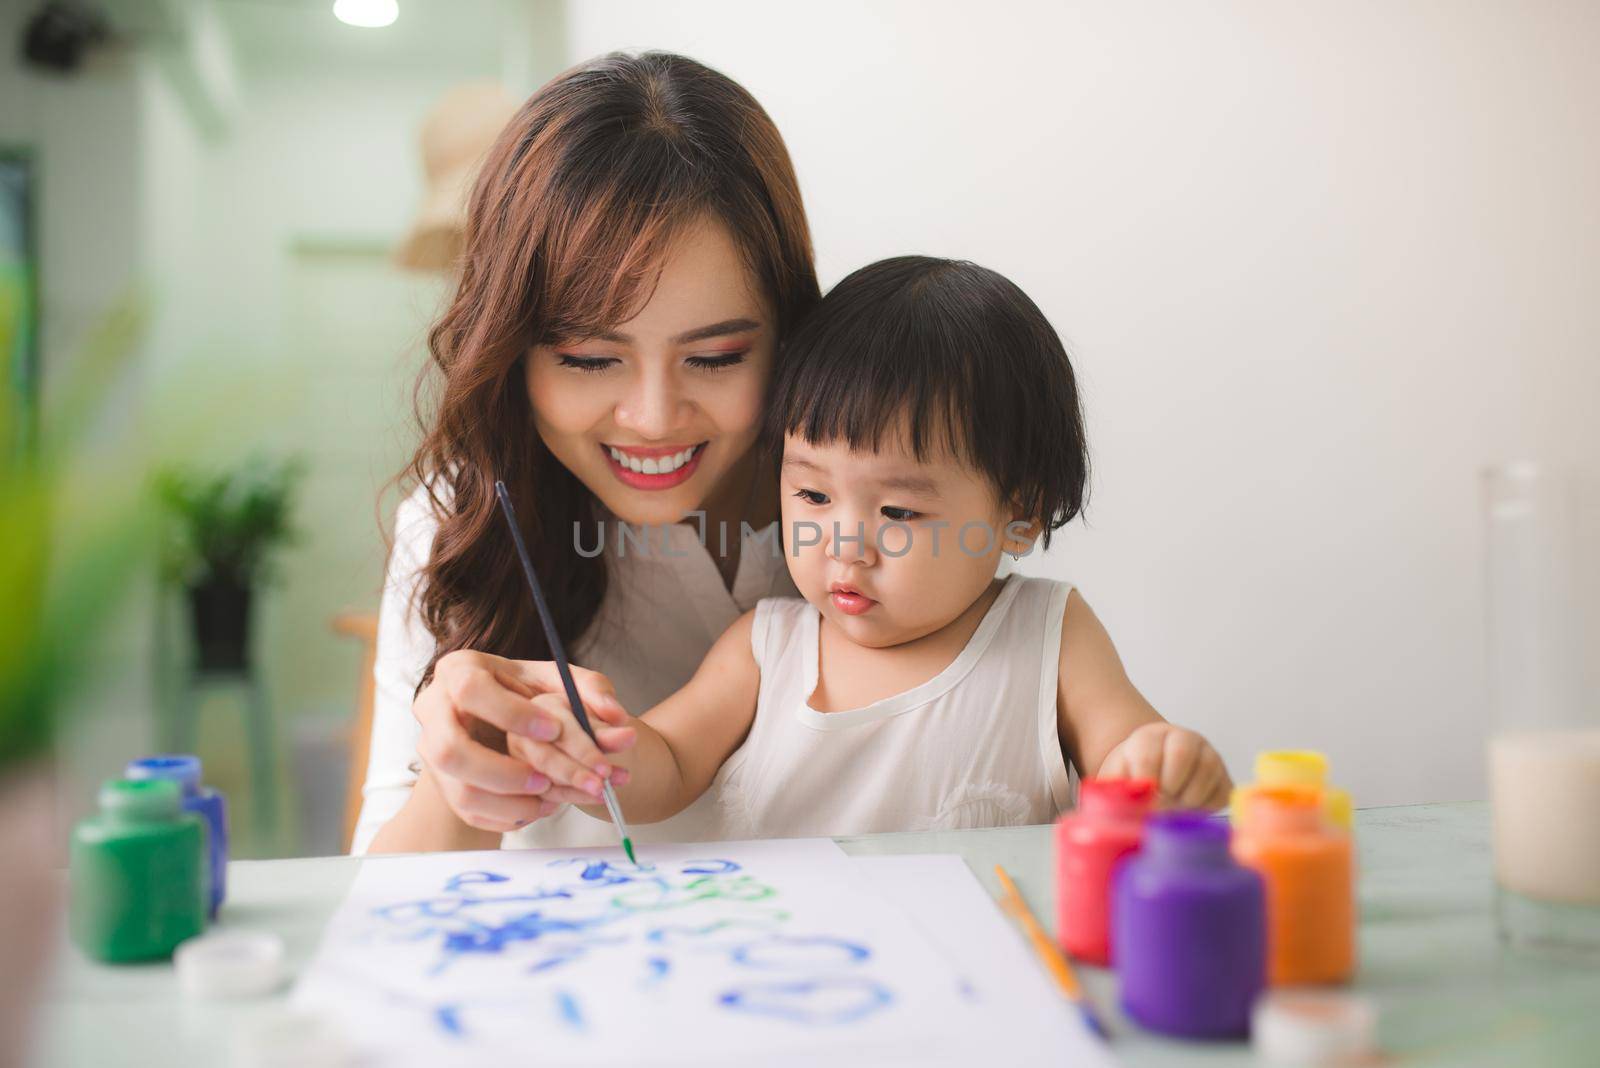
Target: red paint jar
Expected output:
[1106,826]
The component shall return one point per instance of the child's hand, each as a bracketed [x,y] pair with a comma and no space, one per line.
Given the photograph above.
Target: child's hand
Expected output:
[1187,772]
[575,765]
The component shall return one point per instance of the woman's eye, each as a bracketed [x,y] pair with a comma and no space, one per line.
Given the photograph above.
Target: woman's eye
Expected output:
[812,496]
[716,363]
[898,515]
[587,363]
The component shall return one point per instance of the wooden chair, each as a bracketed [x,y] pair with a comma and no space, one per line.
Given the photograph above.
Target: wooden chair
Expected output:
[364,627]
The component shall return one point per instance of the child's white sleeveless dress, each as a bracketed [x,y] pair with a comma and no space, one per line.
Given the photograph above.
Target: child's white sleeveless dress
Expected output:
[974,746]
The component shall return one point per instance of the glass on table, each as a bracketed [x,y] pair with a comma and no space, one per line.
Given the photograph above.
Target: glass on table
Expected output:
[1543,543]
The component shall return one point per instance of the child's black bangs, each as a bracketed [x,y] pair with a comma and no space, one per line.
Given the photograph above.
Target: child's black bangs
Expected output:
[921,410]
[958,359]
[876,371]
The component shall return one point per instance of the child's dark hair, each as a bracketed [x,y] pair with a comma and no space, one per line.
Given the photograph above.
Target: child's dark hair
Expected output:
[965,354]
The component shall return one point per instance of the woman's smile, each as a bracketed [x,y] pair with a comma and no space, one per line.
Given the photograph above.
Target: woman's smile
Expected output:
[654,467]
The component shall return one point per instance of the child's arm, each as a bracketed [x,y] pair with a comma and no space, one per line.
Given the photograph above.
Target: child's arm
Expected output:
[1108,729]
[676,748]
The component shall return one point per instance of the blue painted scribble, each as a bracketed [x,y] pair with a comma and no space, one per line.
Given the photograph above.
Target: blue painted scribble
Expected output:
[606,873]
[469,877]
[813,1002]
[529,927]
[601,870]
[448,1017]
[790,953]
[729,933]
[571,1013]
[541,926]
[658,968]
[559,955]
[444,907]
[431,908]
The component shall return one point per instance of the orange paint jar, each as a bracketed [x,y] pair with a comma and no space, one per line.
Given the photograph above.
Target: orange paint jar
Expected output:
[1309,870]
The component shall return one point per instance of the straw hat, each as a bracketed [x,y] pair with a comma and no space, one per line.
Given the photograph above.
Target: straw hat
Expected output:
[456,135]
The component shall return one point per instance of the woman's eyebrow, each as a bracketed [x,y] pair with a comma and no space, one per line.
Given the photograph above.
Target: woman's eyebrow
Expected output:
[699,333]
[722,329]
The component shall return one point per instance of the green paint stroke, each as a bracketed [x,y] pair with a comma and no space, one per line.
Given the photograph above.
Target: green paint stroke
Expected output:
[742,888]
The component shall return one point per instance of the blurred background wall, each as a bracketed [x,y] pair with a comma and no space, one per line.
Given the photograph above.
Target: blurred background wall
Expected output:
[248,167]
[1317,265]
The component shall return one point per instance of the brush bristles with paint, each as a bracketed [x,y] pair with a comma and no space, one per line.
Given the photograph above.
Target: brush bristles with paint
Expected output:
[558,653]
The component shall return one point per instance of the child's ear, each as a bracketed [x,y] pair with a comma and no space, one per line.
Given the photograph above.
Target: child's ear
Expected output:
[1019,535]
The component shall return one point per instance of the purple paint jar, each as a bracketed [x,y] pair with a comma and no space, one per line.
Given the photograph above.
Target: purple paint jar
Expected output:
[1190,928]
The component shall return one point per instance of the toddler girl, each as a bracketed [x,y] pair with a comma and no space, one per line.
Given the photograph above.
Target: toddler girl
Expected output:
[928,422]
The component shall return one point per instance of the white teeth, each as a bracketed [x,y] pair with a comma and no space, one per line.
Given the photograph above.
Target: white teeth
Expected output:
[654,465]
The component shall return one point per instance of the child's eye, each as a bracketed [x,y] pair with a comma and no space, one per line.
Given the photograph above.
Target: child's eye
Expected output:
[809,495]
[715,363]
[898,515]
[590,364]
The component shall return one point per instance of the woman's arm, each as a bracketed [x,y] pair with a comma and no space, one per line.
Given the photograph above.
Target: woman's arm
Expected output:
[681,743]
[1108,728]
[425,823]
[470,793]
[404,648]
[432,782]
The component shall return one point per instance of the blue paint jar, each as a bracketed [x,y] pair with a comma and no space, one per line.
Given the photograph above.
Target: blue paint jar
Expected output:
[202,800]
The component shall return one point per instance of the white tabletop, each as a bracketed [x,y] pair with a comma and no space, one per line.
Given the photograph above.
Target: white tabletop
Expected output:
[1447,994]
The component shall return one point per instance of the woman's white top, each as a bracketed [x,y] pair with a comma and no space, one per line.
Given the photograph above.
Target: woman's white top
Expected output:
[974,746]
[664,607]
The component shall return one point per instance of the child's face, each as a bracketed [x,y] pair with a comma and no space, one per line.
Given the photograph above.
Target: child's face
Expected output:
[911,571]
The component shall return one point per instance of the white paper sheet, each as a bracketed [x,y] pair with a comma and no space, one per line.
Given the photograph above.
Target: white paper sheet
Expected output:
[997,972]
[738,951]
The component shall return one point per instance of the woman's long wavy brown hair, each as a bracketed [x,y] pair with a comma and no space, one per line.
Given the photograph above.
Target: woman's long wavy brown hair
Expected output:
[572,211]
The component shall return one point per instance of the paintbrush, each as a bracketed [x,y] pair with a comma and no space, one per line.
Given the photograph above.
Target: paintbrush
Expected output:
[559,654]
[1049,955]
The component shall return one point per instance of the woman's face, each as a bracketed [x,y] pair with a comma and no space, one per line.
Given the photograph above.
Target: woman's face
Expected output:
[654,414]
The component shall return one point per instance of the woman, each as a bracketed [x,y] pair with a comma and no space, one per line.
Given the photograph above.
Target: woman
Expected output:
[635,249]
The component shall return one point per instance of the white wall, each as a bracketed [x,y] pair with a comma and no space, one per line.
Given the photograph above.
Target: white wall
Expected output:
[297,334]
[1316,263]
[276,321]
[309,340]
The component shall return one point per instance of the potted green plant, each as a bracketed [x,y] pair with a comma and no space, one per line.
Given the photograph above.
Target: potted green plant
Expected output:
[227,530]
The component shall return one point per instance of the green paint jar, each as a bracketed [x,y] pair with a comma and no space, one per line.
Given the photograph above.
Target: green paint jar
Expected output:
[138,873]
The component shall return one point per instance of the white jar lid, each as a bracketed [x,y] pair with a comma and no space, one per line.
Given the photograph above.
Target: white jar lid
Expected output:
[230,964]
[1313,1027]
